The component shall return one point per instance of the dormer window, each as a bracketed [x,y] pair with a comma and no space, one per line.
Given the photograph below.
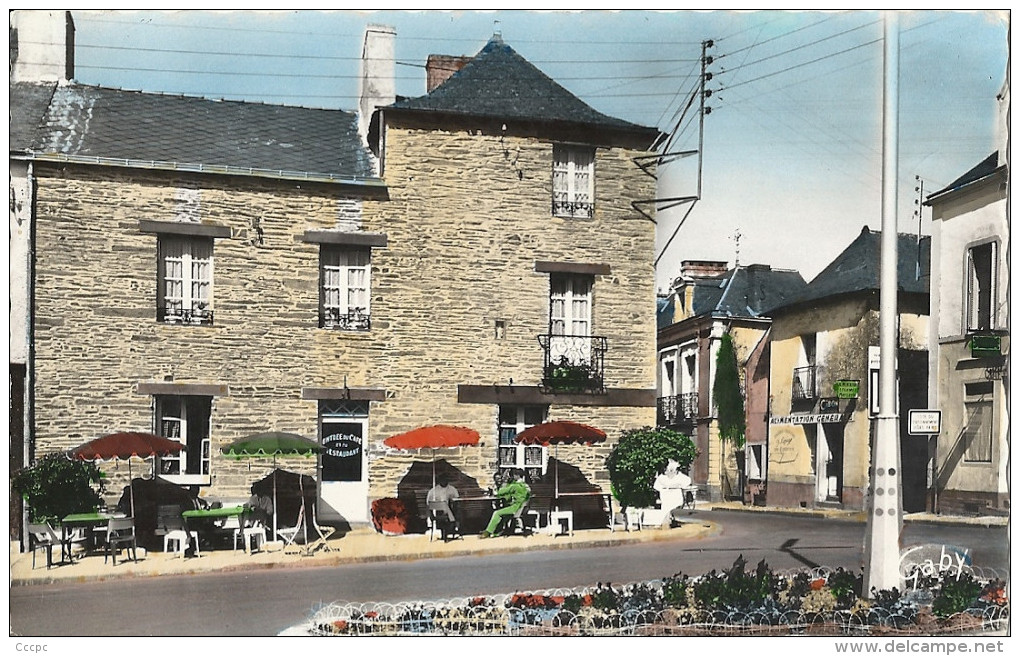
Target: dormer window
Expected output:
[573,181]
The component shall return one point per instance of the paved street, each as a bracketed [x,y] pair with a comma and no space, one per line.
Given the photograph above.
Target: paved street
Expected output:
[267,601]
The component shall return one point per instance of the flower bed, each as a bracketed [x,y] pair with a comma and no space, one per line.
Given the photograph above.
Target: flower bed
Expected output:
[735,602]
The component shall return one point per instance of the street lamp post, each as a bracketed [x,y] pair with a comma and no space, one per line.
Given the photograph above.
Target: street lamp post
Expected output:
[881,550]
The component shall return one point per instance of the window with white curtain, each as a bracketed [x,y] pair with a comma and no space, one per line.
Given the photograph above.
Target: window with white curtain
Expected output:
[570,318]
[573,181]
[977,436]
[512,420]
[185,280]
[346,285]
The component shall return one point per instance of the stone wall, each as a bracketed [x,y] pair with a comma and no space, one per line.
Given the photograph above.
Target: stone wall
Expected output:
[464,232]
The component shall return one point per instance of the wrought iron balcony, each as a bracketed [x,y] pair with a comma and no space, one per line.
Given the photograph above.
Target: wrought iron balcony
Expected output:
[804,387]
[352,319]
[584,210]
[197,314]
[573,364]
[677,409]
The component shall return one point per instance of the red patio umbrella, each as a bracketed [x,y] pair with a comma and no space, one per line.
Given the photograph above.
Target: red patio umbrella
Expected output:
[433,437]
[560,432]
[124,446]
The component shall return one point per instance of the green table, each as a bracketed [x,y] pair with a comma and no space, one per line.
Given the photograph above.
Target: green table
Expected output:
[214,513]
[199,520]
[87,520]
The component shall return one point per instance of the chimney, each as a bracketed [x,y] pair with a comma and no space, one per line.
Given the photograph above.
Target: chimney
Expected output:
[377,86]
[702,268]
[41,46]
[757,275]
[439,68]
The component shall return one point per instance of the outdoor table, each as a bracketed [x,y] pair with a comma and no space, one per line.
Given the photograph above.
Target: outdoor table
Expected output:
[197,520]
[570,496]
[470,521]
[89,521]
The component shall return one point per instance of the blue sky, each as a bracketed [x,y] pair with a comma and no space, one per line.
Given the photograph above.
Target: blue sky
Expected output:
[792,146]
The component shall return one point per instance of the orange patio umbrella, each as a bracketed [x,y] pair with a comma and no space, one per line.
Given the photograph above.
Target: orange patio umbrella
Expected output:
[433,437]
[560,432]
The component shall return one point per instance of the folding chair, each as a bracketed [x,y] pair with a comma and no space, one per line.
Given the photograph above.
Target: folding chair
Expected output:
[289,533]
[323,532]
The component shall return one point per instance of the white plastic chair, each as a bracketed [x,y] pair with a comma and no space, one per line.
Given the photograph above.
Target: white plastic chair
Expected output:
[44,536]
[253,536]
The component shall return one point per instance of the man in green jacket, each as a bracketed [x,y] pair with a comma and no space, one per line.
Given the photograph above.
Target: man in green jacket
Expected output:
[516,493]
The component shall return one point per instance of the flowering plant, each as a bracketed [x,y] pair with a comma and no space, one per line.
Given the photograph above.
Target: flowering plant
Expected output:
[390,516]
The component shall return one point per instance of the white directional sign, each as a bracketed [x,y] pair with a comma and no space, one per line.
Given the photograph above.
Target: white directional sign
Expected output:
[925,422]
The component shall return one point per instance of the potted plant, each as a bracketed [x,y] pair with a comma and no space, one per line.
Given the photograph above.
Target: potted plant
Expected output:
[390,516]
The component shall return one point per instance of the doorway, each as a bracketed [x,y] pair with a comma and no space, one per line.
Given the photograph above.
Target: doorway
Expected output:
[343,467]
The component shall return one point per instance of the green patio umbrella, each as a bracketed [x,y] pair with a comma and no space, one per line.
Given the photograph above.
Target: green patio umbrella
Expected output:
[272,444]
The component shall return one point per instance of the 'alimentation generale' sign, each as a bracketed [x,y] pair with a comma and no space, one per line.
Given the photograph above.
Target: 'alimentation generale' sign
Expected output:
[827,418]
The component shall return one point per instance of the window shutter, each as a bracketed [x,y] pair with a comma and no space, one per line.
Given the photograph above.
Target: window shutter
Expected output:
[993,270]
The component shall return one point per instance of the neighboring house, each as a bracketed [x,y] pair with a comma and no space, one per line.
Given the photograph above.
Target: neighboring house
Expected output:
[969,360]
[705,302]
[823,344]
[210,269]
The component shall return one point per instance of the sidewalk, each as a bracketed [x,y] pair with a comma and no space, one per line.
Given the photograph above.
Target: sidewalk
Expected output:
[363,544]
[359,545]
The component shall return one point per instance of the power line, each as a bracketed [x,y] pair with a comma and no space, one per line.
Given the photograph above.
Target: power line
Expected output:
[800,47]
[149,23]
[778,36]
[807,63]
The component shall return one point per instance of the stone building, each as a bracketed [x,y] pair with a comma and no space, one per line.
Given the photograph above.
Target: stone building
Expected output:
[822,357]
[707,301]
[210,269]
[522,277]
[969,359]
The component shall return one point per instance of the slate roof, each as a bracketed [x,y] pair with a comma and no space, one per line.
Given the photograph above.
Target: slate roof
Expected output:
[28,103]
[95,122]
[741,292]
[856,269]
[984,168]
[499,83]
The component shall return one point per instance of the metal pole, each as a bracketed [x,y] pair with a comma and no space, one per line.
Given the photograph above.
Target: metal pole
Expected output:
[881,570]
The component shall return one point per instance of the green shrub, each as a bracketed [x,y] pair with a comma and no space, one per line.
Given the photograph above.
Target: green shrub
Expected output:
[56,486]
[640,456]
[735,588]
[956,594]
[674,590]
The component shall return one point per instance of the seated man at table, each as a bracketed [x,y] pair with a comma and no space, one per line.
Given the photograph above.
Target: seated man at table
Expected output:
[515,494]
[438,500]
[259,510]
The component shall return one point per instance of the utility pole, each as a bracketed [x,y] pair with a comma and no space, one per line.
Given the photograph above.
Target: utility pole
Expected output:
[882,547]
[706,59]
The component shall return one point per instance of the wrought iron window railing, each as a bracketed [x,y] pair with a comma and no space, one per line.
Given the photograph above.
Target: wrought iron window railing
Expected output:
[177,313]
[804,383]
[677,409]
[576,209]
[352,319]
[573,363]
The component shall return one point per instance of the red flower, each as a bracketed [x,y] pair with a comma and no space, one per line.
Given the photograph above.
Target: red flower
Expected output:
[370,614]
[817,584]
[340,625]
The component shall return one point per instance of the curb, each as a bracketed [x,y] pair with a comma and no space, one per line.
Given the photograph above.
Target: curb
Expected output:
[698,531]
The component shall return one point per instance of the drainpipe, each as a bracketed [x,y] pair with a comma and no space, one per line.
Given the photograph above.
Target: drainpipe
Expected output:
[28,418]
